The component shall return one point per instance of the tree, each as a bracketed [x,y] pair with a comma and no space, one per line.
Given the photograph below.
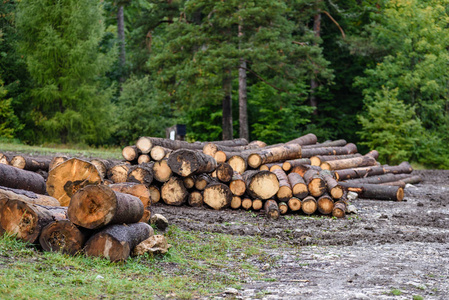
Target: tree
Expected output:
[60,41]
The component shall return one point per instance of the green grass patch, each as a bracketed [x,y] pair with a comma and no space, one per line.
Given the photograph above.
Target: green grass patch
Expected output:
[396,292]
[198,264]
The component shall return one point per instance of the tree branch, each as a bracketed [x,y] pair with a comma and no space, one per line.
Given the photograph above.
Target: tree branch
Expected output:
[266,82]
[336,23]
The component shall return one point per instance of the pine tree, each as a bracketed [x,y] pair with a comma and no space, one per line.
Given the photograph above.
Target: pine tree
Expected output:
[60,41]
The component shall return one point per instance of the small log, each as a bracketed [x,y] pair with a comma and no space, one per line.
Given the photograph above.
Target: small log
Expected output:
[25,220]
[212,148]
[157,153]
[63,236]
[118,173]
[373,153]
[339,209]
[4,159]
[261,184]
[302,169]
[319,159]
[238,163]
[325,204]
[21,179]
[257,204]
[116,242]
[224,172]
[162,171]
[361,161]
[375,191]
[299,187]
[189,181]
[155,194]
[202,181]
[143,159]
[236,202]
[173,192]
[315,183]
[308,139]
[271,209]
[285,190]
[247,203]
[56,161]
[145,144]
[334,189]
[336,143]
[131,153]
[309,205]
[187,162]
[27,196]
[141,174]
[195,199]
[389,177]
[347,149]
[283,208]
[346,174]
[237,185]
[217,195]
[96,206]
[403,182]
[30,163]
[103,165]
[294,204]
[284,152]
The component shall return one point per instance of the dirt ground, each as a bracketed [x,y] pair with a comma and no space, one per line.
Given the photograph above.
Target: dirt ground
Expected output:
[388,250]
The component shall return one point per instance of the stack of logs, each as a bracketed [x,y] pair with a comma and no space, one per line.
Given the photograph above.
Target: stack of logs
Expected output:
[82,205]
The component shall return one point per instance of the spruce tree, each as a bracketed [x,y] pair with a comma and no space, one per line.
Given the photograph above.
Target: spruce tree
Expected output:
[60,42]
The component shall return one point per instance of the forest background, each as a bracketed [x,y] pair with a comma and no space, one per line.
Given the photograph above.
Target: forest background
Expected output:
[103,73]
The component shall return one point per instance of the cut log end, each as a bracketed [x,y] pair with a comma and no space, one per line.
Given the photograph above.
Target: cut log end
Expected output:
[217,195]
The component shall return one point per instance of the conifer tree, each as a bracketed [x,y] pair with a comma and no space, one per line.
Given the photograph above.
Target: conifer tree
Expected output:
[60,42]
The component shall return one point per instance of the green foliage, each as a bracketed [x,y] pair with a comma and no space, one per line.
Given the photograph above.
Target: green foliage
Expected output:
[390,127]
[60,41]
[9,123]
[139,113]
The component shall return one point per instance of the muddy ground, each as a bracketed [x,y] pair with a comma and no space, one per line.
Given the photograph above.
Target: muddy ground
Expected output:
[388,250]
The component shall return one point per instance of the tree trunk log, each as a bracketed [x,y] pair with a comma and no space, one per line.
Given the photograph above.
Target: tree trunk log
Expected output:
[56,161]
[346,174]
[261,184]
[348,149]
[285,152]
[334,189]
[299,187]
[143,159]
[162,171]
[63,236]
[294,204]
[403,182]
[158,152]
[339,209]
[195,199]
[103,165]
[173,192]
[237,185]
[131,153]
[308,139]
[119,173]
[27,196]
[188,162]
[30,163]
[212,148]
[247,203]
[271,209]
[257,204]
[315,183]
[21,179]
[375,191]
[217,195]
[302,169]
[285,190]
[361,161]
[236,202]
[238,162]
[283,208]
[96,206]
[4,159]
[141,174]
[336,143]
[224,172]
[271,166]
[202,181]
[26,220]
[155,194]
[116,242]
[319,159]
[189,181]
[325,204]
[137,190]
[309,205]
[389,177]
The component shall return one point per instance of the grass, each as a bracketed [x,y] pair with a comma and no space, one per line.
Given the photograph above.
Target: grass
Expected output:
[198,264]
[396,292]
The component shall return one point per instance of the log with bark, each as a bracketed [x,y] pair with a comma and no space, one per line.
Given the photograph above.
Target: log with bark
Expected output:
[290,164]
[96,206]
[247,203]
[116,242]
[143,158]
[27,196]
[271,209]
[347,149]
[119,173]
[63,236]
[212,148]
[283,208]
[308,139]
[103,165]
[162,171]
[261,184]
[334,189]
[238,162]
[157,153]
[145,144]
[4,159]
[299,187]
[195,199]
[284,152]
[202,181]
[403,182]
[285,190]
[302,169]
[361,161]
[257,204]
[30,163]
[25,220]
[339,209]
[155,193]
[173,192]
[325,204]
[237,185]
[315,183]
[309,205]
[294,204]
[131,153]
[375,191]
[138,190]
[224,172]
[236,202]
[217,195]
[271,166]
[336,143]
[21,179]
[189,181]
[345,174]
[319,159]
[187,162]
[384,178]
[56,161]
[142,173]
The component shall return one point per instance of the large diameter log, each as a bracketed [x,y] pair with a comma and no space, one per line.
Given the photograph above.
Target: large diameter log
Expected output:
[289,164]
[361,161]
[375,191]
[173,192]
[118,173]
[63,236]
[195,199]
[116,242]
[336,143]
[237,185]
[309,205]
[345,174]
[96,206]
[142,173]
[319,159]
[325,204]
[285,190]
[224,172]
[187,162]
[238,163]
[30,163]
[217,195]
[162,171]
[315,183]
[21,179]
[334,189]
[284,152]
[67,178]
[261,184]
[299,187]
[26,220]
[347,149]
[27,196]
[294,204]
[308,139]
[130,153]
[271,209]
